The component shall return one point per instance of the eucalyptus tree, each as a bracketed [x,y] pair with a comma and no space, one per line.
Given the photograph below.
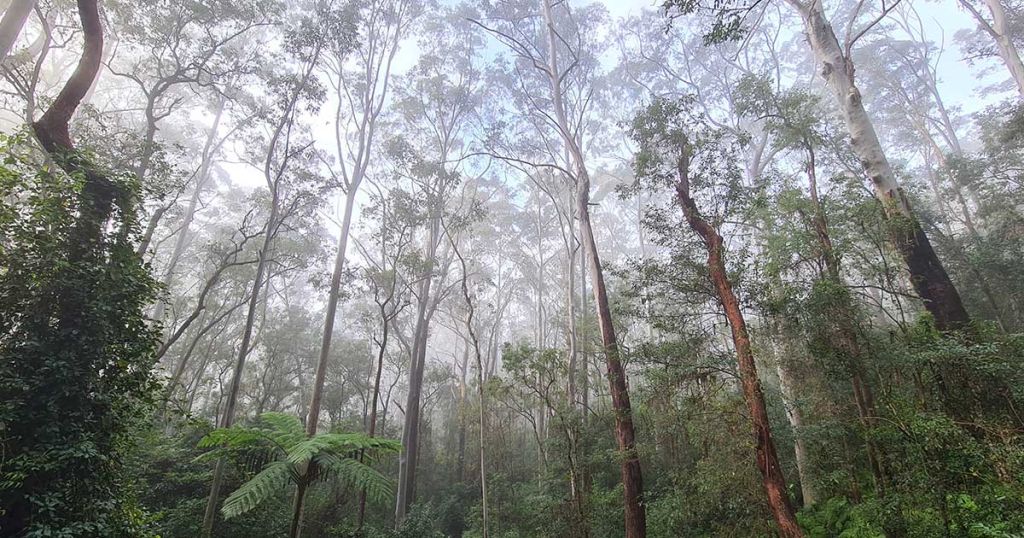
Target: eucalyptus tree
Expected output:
[927,273]
[679,151]
[436,104]
[360,85]
[286,164]
[75,348]
[539,37]
[170,52]
[386,259]
[1004,35]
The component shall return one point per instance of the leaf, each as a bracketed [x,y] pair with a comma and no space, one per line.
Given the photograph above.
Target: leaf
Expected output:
[261,487]
[355,473]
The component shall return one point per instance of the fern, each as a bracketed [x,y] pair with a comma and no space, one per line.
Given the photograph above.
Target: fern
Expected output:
[295,459]
[272,479]
[355,473]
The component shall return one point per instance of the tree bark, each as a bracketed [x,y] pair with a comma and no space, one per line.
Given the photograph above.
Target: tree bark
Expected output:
[795,415]
[11,24]
[332,308]
[999,30]
[927,273]
[228,416]
[272,226]
[773,481]
[407,459]
[479,383]
[632,477]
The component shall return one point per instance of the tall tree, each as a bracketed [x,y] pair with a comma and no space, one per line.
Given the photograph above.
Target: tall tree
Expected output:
[283,147]
[660,130]
[998,28]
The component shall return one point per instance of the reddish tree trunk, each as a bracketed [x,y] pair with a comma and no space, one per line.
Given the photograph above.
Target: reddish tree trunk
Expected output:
[767,459]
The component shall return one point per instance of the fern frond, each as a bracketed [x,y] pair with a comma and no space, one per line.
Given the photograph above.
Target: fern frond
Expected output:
[352,472]
[344,442]
[286,430]
[234,437]
[268,482]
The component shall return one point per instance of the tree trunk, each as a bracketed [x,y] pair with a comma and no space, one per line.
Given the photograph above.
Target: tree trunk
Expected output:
[228,416]
[927,274]
[999,30]
[461,470]
[1004,44]
[372,428]
[410,431]
[632,478]
[479,384]
[795,416]
[767,459]
[296,526]
[11,24]
[190,211]
[845,338]
[332,308]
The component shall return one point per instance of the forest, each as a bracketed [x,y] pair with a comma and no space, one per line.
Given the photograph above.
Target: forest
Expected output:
[511,268]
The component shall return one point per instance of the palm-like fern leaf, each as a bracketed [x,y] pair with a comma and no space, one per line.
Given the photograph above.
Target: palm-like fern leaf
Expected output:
[339,444]
[355,473]
[282,438]
[268,482]
[286,430]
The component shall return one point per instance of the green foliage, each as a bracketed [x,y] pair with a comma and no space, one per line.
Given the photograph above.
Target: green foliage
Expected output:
[76,369]
[292,458]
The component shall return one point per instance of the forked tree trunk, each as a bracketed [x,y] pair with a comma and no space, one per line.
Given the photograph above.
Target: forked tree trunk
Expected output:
[767,459]
[927,273]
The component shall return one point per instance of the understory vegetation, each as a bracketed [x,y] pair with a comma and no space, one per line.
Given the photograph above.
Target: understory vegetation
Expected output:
[511,268]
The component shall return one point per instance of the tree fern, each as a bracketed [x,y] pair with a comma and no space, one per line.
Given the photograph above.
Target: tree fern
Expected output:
[295,459]
[272,479]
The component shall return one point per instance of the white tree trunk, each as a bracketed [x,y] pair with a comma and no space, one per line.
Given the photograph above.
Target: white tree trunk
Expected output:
[929,277]
[12,23]
[796,421]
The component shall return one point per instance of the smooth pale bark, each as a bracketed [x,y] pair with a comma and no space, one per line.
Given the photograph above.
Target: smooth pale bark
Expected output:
[11,24]
[927,273]
[772,479]
[407,459]
[999,30]
[479,385]
[632,477]
[795,415]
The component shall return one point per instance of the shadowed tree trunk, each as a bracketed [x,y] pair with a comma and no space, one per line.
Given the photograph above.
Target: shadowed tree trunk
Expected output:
[927,273]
